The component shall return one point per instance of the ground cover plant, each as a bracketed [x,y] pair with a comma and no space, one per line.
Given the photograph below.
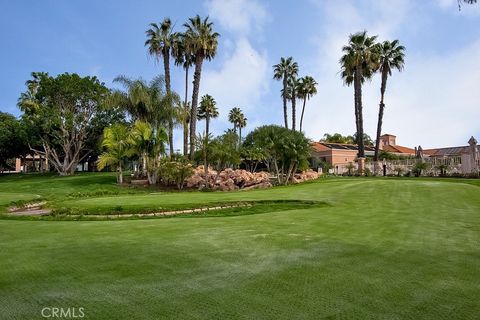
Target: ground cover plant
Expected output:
[378,248]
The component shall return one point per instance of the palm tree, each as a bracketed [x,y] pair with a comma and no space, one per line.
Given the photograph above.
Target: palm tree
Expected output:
[182,52]
[358,64]
[242,123]
[149,142]
[234,116]
[146,102]
[293,83]
[118,149]
[306,88]
[160,40]
[391,55]
[207,111]
[203,41]
[284,71]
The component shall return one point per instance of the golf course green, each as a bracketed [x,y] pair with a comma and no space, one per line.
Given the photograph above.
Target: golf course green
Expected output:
[376,248]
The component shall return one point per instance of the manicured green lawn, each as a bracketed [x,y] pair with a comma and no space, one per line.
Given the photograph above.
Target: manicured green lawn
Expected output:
[380,249]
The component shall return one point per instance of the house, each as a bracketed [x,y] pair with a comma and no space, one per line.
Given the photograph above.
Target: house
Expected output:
[340,154]
[31,163]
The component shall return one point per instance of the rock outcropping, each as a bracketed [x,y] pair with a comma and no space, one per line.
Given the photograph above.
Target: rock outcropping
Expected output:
[228,179]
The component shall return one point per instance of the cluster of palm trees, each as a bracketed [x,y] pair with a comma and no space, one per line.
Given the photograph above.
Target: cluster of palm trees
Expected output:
[293,88]
[362,58]
[197,43]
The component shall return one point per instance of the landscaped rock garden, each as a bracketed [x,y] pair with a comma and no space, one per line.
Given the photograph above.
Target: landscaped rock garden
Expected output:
[230,179]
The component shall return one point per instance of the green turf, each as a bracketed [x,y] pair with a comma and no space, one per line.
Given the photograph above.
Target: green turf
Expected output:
[380,249]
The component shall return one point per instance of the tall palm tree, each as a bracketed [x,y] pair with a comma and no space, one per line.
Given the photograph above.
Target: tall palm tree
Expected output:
[283,71]
[182,52]
[306,88]
[234,116]
[203,41]
[242,123]
[392,56]
[359,62]
[207,110]
[160,40]
[293,83]
[118,149]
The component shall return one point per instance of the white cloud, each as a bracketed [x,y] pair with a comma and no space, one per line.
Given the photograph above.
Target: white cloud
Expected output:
[240,81]
[241,77]
[238,16]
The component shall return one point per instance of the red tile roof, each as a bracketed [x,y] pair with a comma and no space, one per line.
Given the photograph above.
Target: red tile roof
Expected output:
[399,149]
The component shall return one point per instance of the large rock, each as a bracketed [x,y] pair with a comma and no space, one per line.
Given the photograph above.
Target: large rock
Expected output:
[228,179]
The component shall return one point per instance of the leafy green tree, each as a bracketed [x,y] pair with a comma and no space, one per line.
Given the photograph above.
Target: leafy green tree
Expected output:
[367,140]
[419,167]
[224,151]
[207,110]
[337,138]
[306,88]
[118,148]
[62,107]
[203,41]
[359,62]
[284,71]
[286,150]
[392,56]
[13,139]
[252,156]
[103,119]
[160,41]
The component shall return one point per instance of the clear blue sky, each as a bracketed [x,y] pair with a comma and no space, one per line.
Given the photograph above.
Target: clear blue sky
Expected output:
[434,102]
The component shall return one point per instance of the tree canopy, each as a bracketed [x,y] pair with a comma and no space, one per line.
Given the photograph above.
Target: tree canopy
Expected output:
[62,108]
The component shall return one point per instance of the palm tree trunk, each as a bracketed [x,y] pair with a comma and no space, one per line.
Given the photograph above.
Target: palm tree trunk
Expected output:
[185,138]
[380,115]
[186,85]
[205,147]
[186,123]
[294,109]
[166,67]
[120,174]
[303,111]
[170,137]
[358,98]
[193,114]
[285,116]
[239,136]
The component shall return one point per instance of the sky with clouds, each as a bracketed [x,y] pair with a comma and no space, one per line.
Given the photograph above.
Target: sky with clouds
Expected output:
[434,102]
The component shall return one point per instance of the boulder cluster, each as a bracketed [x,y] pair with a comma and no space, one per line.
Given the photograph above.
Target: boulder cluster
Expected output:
[305,176]
[228,179]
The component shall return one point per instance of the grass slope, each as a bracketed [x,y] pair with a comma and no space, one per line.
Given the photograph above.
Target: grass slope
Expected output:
[381,249]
